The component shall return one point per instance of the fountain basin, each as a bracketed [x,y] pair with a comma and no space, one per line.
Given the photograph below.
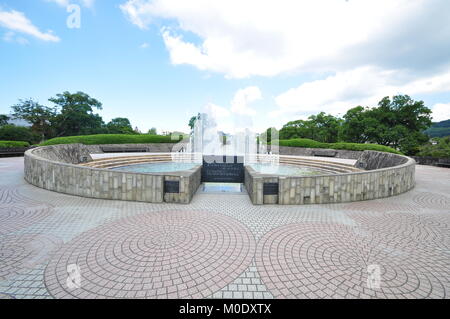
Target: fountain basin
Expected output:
[70,169]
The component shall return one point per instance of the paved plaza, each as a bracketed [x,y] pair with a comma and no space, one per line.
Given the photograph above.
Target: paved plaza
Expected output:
[221,246]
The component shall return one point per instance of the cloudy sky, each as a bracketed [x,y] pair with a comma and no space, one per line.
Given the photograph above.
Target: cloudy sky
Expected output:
[158,62]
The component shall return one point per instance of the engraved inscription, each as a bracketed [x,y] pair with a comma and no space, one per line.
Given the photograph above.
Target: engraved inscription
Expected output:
[270,189]
[223,169]
[171,187]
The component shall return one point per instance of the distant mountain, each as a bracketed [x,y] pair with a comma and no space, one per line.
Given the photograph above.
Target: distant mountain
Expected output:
[439,129]
[17,122]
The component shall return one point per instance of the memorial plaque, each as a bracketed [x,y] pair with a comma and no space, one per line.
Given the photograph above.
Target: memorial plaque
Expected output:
[171,187]
[223,169]
[270,189]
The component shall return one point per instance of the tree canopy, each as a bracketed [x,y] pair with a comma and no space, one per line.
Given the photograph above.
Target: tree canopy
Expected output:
[120,125]
[321,127]
[4,120]
[38,115]
[440,148]
[399,122]
[76,114]
[72,114]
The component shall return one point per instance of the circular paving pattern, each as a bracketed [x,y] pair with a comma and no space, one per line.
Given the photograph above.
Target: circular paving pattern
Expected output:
[16,217]
[431,200]
[12,195]
[21,252]
[379,206]
[332,261]
[404,229]
[169,254]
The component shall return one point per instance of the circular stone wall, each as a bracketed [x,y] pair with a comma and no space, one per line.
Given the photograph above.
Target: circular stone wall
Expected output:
[62,168]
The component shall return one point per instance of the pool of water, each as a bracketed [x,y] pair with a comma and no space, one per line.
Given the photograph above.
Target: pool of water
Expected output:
[156,167]
[166,167]
[289,170]
[235,188]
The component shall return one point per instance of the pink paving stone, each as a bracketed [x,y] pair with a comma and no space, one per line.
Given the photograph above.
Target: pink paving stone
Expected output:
[158,233]
[317,251]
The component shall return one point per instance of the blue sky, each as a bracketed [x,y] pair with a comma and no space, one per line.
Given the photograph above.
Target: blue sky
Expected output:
[160,62]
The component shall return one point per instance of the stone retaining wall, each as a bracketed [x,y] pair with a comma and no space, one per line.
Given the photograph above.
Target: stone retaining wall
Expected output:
[338,188]
[52,168]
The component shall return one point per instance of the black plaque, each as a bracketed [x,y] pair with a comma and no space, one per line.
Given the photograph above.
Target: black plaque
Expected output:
[270,189]
[171,187]
[223,169]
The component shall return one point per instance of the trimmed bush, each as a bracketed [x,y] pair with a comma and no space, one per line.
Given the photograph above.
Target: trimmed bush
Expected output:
[307,143]
[102,139]
[13,144]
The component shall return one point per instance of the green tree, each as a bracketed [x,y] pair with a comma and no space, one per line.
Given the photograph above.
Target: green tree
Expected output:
[325,128]
[356,124]
[18,133]
[39,116]
[296,129]
[76,115]
[401,123]
[269,134]
[320,127]
[120,125]
[153,131]
[4,120]
[440,148]
[398,123]
[193,120]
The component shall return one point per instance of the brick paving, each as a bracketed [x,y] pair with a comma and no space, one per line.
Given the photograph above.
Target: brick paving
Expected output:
[221,246]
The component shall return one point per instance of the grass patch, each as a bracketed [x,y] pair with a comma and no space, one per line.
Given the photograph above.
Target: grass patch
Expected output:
[101,139]
[13,144]
[307,143]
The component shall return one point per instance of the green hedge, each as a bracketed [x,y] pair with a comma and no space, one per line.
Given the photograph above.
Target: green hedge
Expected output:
[439,150]
[101,139]
[13,144]
[307,143]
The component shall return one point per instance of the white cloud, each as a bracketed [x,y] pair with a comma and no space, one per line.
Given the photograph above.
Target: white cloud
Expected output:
[238,115]
[242,99]
[144,45]
[17,21]
[62,3]
[88,3]
[362,86]
[441,112]
[218,112]
[65,3]
[254,37]
[12,37]
[373,48]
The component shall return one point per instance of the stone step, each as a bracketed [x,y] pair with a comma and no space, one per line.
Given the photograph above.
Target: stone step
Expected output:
[327,166]
[286,157]
[126,163]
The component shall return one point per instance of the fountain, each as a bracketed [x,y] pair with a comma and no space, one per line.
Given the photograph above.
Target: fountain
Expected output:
[207,140]
[205,157]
